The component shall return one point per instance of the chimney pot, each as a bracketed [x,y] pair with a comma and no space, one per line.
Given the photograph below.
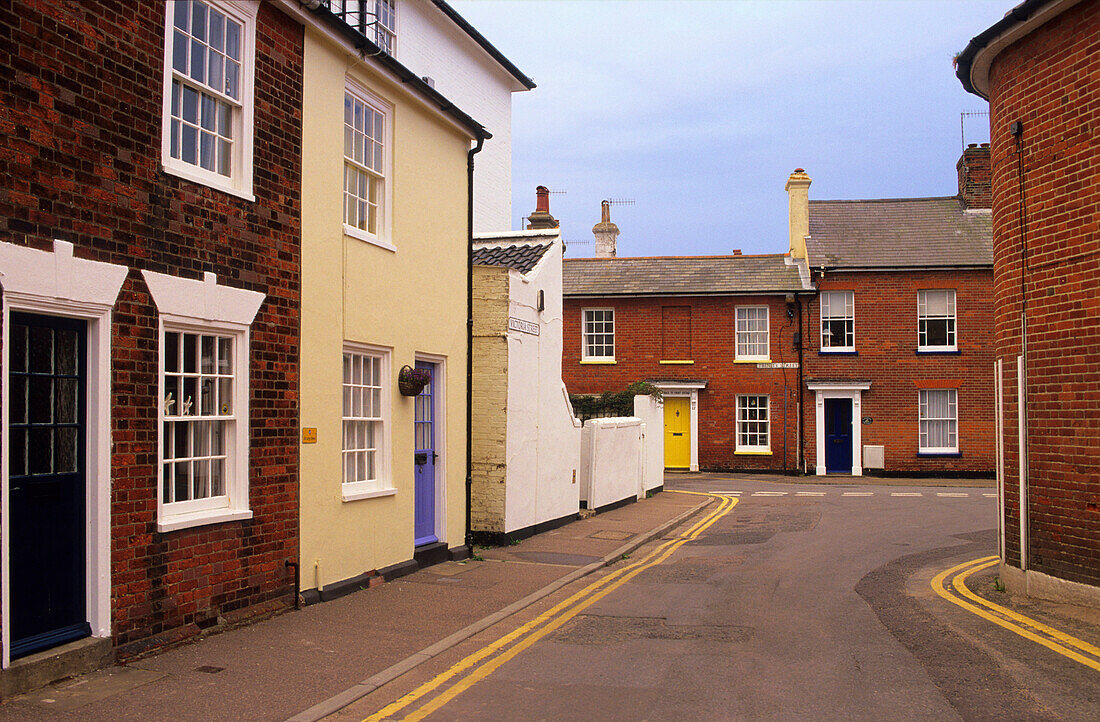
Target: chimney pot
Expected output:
[798,203]
[605,232]
[541,218]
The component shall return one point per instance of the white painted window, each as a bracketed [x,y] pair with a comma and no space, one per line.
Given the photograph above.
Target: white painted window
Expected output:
[939,420]
[208,80]
[838,321]
[366,165]
[366,406]
[752,333]
[752,423]
[203,399]
[598,340]
[199,418]
[375,19]
[936,320]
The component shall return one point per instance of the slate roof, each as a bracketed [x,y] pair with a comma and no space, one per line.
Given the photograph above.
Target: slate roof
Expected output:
[898,233]
[522,257]
[678,275]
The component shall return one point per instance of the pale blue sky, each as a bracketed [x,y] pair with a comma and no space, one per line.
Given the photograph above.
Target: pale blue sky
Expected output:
[700,109]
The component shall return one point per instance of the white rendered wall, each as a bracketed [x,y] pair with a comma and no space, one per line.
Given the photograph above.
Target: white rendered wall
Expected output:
[543,437]
[612,459]
[652,412]
[430,44]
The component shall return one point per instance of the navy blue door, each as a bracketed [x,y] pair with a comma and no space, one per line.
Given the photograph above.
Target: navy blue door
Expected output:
[424,461]
[46,418]
[838,436]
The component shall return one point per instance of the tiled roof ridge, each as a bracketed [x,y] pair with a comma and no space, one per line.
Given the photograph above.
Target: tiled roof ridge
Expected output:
[885,200]
[674,258]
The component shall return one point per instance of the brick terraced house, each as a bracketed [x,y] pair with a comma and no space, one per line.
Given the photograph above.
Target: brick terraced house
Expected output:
[899,351]
[1039,68]
[717,334]
[149,259]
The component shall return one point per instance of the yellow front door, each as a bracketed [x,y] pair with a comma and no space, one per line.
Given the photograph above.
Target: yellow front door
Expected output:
[677,432]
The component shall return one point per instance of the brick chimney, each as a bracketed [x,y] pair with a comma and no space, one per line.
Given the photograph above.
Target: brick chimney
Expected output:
[541,218]
[975,178]
[798,194]
[605,232]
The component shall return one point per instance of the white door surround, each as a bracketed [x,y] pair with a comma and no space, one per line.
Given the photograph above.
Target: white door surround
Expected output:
[691,390]
[852,390]
[58,284]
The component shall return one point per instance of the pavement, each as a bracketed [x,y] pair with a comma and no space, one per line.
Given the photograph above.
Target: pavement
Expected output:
[306,664]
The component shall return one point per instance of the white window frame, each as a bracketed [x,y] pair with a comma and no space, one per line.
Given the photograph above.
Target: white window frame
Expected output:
[951,317]
[235,426]
[207,307]
[846,314]
[597,358]
[741,343]
[355,15]
[924,418]
[382,484]
[382,237]
[239,181]
[743,417]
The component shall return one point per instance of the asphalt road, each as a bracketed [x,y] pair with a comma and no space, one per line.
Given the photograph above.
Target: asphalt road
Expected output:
[802,601]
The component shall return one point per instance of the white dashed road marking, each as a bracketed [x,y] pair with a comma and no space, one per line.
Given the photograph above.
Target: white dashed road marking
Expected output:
[809,493]
[906,493]
[735,493]
[858,493]
[953,494]
[992,496]
[769,493]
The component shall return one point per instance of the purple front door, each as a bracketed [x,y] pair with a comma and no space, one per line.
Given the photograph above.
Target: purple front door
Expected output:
[424,461]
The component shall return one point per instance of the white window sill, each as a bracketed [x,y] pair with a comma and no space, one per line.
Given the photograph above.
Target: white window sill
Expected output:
[677,362]
[201,518]
[597,360]
[360,490]
[207,178]
[354,232]
[752,360]
[753,452]
[838,349]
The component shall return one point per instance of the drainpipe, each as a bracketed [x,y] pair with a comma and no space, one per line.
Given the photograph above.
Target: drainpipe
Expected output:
[470,330]
[801,345]
[1016,129]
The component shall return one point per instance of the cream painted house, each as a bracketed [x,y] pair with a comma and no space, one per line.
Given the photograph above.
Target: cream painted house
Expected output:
[385,232]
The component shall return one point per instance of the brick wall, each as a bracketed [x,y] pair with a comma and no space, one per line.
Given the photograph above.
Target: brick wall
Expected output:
[1048,81]
[489,387]
[81,92]
[886,343]
[638,353]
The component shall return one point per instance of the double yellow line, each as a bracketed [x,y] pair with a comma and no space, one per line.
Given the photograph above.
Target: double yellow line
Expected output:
[486,660]
[958,593]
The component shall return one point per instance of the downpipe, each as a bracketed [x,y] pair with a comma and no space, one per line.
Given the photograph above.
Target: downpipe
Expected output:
[470,332]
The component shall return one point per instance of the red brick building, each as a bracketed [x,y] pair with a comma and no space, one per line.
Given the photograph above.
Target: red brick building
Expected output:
[899,347]
[1039,68]
[717,334]
[149,259]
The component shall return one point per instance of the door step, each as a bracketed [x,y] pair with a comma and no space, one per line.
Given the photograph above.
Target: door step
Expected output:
[431,554]
[68,660]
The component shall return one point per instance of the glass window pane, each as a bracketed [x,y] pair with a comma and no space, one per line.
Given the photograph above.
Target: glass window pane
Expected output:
[179,51]
[40,400]
[233,39]
[190,353]
[17,394]
[198,61]
[206,151]
[225,396]
[217,30]
[182,16]
[190,144]
[182,485]
[214,73]
[217,477]
[225,355]
[198,20]
[232,74]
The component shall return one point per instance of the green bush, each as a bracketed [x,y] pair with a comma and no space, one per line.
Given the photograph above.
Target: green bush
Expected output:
[587,406]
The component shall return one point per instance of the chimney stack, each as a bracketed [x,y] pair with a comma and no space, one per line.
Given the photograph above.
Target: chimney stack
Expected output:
[798,194]
[541,218]
[975,177]
[605,232]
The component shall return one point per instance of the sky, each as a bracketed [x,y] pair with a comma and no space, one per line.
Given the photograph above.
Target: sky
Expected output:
[698,110]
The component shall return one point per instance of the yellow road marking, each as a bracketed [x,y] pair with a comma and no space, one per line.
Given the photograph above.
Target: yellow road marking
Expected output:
[611,581]
[958,583]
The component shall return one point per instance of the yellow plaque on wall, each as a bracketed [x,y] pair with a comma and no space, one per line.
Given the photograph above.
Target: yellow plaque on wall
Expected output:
[309,436]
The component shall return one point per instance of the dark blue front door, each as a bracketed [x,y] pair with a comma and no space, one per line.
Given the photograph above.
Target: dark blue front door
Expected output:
[838,436]
[424,461]
[46,485]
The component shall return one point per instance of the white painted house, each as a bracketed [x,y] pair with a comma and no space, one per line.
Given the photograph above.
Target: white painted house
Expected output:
[526,441]
[435,42]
